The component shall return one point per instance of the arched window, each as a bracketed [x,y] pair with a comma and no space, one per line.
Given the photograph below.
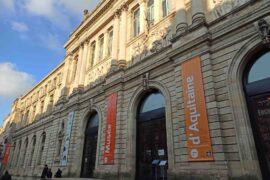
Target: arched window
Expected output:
[257,89]
[151,134]
[260,69]
[42,146]
[34,139]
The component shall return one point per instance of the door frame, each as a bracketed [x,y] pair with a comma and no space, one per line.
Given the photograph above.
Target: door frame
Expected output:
[137,95]
[155,115]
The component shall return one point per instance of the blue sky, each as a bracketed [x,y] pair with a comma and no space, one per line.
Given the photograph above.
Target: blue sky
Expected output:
[32,35]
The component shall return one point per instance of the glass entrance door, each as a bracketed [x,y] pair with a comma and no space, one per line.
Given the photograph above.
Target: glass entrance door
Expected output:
[261,127]
[89,155]
[90,147]
[152,149]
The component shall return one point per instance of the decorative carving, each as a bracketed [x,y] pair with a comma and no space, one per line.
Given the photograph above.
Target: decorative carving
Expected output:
[124,7]
[263,28]
[91,103]
[222,7]
[145,81]
[117,13]
[152,43]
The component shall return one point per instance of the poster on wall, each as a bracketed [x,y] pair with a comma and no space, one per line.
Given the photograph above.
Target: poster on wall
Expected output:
[110,129]
[6,155]
[198,135]
[67,138]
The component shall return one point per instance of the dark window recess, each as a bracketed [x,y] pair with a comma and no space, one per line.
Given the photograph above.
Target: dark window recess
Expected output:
[257,89]
[90,147]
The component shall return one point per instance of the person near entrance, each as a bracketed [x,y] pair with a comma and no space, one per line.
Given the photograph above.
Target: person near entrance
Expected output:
[6,176]
[58,174]
[44,172]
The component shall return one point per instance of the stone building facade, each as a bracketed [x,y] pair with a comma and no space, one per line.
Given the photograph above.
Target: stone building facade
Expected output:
[118,101]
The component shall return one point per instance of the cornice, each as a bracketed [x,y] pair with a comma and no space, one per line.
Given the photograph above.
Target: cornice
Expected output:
[89,20]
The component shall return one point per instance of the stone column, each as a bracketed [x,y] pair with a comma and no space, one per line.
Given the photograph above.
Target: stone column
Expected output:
[115,38]
[197,9]
[80,58]
[123,37]
[83,63]
[143,14]
[66,72]
[181,17]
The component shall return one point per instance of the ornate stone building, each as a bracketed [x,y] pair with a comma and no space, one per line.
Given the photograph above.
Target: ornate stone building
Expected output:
[152,88]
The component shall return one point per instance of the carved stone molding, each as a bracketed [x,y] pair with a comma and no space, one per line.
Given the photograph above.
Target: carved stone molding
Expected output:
[91,103]
[222,7]
[145,81]
[263,28]
[117,14]
[124,7]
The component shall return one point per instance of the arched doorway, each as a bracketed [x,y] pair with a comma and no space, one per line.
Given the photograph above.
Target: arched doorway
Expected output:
[257,89]
[151,137]
[90,146]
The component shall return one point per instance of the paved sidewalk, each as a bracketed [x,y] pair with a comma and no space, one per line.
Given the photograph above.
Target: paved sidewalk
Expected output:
[36,178]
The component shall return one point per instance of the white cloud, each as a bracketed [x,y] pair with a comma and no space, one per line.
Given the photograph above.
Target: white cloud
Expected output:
[50,41]
[19,26]
[13,82]
[49,10]
[78,7]
[8,5]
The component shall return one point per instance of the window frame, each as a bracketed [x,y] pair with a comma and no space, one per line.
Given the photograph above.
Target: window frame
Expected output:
[136,22]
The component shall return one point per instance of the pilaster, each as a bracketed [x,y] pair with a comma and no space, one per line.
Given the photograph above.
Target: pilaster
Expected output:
[197,10]
[123,37]
[181,17]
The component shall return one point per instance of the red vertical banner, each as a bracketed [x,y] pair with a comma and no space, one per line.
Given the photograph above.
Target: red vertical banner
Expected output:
[110,129]
[7,152]
[198,136]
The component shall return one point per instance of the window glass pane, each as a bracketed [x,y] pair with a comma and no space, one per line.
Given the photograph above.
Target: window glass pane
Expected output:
[136,22]
[101,44]
[93,49]
[260,69]
[150,12]
[152,102]
[93,121]
[110,43]
[164,8]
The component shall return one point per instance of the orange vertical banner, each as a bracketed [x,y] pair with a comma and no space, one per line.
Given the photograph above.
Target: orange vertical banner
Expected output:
[198,136]
[110,129]
[7,152]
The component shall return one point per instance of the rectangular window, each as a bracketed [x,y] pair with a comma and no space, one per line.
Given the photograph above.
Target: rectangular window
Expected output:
[101,47]
[41,107]
[93,50]
[110,43]
[165,8]
[136,22]
[150,12]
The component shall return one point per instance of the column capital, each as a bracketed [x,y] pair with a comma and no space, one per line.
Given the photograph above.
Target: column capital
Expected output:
[68,53]
[124,7]
[81,44]
[86,41]
[117,14]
